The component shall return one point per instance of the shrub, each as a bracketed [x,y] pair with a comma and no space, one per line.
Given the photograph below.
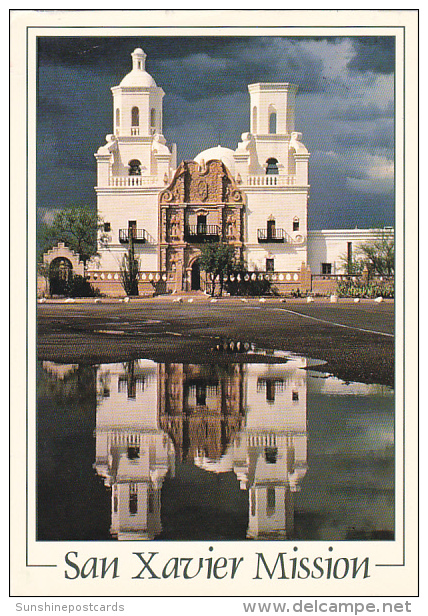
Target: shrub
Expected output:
[78,286]
[370,289]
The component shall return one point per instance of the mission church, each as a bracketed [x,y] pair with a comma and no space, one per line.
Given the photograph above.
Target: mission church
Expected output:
[255,198]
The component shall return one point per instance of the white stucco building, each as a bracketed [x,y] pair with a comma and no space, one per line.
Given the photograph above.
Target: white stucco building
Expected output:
[254,197]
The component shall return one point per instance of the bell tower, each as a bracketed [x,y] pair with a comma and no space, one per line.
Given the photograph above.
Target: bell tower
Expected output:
[136,147]
[272,108]
[272,123]
[137,101]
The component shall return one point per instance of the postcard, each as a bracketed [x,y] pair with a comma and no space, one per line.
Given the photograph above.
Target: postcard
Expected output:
[214,222]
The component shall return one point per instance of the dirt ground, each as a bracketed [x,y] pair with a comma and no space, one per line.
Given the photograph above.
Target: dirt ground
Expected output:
[356,340]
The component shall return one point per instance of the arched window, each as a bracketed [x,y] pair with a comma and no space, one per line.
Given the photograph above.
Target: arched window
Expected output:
[272,123]
[117,117]
[152,119]
[135,116]
[296,223]
[271,166]
[254,127]
[134,167]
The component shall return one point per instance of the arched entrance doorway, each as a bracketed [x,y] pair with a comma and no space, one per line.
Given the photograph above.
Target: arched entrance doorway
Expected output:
[60,273]
[196,276]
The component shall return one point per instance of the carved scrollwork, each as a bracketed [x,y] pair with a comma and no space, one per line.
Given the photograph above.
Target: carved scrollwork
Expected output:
[167,196]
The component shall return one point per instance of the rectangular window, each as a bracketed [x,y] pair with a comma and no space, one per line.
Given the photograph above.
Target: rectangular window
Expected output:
[270,265]
[201,224]
[296,225]
[325,268]
[271,230]
[107,227]
[270,502]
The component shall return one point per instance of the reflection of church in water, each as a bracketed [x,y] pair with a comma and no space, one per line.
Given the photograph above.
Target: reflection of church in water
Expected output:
[249,419]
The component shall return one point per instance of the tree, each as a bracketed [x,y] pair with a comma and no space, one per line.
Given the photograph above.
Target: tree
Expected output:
[220,260]
[77,228]
[379,254]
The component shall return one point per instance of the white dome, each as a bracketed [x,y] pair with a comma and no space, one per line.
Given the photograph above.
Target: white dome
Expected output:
[218,153]
[138,79]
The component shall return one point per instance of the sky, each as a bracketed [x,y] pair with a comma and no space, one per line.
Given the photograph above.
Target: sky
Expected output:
[344,109]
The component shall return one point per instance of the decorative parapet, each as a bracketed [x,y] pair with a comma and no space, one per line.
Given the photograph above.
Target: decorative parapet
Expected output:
[135,181]
[61,251]
[269,180]
[114,276]
[253,276]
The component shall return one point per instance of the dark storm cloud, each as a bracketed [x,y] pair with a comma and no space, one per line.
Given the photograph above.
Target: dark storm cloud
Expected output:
[379,137]
[339,206]
[196,67]
[362,113]
[93,50]
[373,53]
[51,106]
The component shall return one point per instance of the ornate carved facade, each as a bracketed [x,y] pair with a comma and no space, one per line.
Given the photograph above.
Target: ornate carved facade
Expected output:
[200,409]
[201,204]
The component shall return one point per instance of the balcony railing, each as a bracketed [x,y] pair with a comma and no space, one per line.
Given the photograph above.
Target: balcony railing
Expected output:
[271,235]
[202,233]
[270,180]
[134,181]
[139,236]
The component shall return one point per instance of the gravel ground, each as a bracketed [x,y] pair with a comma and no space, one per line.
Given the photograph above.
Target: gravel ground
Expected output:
[355,340]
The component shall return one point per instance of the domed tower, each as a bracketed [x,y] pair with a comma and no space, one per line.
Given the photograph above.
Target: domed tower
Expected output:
[133,166]
[137,126]
[137,146]
[137,101]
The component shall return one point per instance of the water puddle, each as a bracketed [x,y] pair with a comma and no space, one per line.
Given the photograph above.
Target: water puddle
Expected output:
[235,451]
